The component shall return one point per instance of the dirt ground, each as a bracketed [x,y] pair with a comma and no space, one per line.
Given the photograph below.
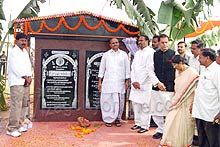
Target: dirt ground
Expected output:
[3,119]
[5,114]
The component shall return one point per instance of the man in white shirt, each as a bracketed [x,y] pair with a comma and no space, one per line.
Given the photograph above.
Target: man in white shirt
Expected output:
[19,79]
[206,105]
[196,47]
[141,84]
[114,73]
[217,117]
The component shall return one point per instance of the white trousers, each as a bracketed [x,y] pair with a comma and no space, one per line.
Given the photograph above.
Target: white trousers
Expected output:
[141,115]
[159,120]
[160,102]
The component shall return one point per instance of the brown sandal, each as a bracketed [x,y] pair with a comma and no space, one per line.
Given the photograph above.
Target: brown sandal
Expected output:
[108,124]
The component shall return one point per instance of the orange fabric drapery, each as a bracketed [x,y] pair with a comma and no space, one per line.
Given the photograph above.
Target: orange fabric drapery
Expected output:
[208,25]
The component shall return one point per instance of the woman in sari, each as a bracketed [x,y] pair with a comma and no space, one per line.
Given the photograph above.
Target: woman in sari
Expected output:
[179,125]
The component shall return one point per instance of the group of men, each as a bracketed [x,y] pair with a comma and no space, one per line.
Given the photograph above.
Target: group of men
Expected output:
[152,85]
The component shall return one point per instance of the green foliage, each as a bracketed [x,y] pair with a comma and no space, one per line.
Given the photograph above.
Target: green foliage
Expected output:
[181,19]
[210,38]
[3,106]
[209,2]
[2,84]
[118,3]
[138,11]
[30,10]
[2,14]
[178,18]
[1,28]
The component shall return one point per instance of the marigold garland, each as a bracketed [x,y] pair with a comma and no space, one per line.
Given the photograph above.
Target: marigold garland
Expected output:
[81,131]
[74,28]
[204,28]
[110,30]
[129,32]
[81,20]
[25,28]
[55,28]
[89,27]
[31,30]
[19,20]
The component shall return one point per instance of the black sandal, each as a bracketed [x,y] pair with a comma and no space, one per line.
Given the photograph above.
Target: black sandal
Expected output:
[108,124]
[117,123]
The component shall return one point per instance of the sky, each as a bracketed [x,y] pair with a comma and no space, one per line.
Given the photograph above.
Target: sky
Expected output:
[14,7]
[51,7]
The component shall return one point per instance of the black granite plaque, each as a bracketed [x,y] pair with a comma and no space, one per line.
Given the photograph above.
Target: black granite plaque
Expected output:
[92,98]
[59,73]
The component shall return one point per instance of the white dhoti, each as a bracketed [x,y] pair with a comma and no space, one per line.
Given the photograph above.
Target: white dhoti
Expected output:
[112,106]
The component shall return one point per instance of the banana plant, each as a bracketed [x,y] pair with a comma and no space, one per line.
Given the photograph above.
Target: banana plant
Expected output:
[210,38]
[139,12]
[180,18]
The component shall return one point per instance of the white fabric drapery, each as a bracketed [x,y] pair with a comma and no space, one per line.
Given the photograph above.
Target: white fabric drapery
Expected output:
[131,44]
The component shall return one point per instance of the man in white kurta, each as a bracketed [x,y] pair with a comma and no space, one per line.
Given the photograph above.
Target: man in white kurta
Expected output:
[141,84]
[196,47]
[206,105]
[113,76]
[19,79]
